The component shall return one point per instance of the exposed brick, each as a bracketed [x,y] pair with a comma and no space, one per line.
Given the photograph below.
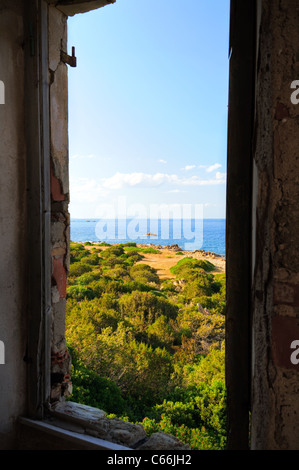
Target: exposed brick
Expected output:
[59,275]
[60,358]
[284,331]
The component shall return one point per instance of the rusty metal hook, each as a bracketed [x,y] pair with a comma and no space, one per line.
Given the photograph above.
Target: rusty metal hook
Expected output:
[69,59]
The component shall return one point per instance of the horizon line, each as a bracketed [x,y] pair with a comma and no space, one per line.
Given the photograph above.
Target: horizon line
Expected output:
[148,218]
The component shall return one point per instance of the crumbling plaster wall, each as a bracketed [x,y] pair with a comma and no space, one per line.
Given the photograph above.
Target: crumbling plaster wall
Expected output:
[275,404]
[12,219]
[60,219]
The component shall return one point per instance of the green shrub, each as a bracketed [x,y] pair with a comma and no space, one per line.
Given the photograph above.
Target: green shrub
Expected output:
[132,248]
[178,412]
[80,292]
[211,403]
[215,303]
[131,286]
[92,259]
[144,273]
[198,288]
[209,369]
[77,252]
[151,250]
[92,390]
[118,272]
[167,285]
[197,438]
[78,268]
[114,250]
[133,254]
[191,263]
[144,308]
[88,277]
[131,260]
[76,246]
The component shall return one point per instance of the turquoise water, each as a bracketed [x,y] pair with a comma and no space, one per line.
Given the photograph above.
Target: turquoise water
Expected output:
[207,234]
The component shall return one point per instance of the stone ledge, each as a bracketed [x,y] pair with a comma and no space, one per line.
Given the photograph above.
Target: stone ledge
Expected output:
[94,422]
[76,438]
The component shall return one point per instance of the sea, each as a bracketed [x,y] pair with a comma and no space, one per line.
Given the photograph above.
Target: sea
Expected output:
[189,235]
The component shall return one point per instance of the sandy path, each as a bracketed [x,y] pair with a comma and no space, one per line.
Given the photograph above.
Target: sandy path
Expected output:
[164,261]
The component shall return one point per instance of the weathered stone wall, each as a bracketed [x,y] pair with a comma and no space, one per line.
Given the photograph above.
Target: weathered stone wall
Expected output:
[275,404]
[60,220]
[12,219]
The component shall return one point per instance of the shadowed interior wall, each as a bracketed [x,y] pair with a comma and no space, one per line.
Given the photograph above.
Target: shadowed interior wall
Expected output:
[275,404]
[12,220]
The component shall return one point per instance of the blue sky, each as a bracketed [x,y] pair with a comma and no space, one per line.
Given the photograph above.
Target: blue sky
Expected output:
[148,105]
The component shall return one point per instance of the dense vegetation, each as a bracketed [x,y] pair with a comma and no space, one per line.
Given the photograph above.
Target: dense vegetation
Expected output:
[145,349]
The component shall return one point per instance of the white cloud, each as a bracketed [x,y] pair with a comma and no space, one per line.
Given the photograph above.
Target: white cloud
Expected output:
[162,161]
[213,167]
[176,191]
[120,180]
[145,180]
[86,190]
[196,181]
[188,167]
[220,176]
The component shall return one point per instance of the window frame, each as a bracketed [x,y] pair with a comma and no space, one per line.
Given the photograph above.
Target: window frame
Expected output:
[240,220]
[238,234]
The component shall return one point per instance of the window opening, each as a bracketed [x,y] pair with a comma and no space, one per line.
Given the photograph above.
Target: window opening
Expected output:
[146,286]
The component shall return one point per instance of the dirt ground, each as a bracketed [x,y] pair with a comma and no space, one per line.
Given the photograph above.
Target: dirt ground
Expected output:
[167,258]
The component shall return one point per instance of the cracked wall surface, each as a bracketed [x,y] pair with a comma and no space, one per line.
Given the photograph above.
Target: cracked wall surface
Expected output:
[275,405]
[60,219]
